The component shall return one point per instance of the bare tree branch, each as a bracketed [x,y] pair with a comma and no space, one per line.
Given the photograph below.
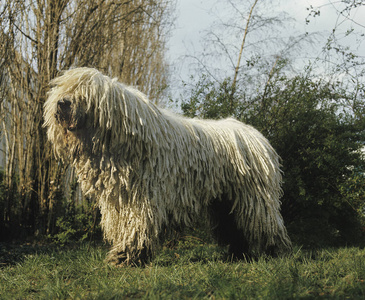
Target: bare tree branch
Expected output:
[242,46]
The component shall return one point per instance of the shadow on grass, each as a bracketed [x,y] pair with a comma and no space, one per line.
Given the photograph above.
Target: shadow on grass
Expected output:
[14,252]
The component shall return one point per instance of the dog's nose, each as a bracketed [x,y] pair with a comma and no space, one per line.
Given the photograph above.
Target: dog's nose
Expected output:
[64,104]
[64,109]
[63,113]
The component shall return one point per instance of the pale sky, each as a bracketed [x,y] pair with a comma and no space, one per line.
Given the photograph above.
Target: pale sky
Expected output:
[195,18]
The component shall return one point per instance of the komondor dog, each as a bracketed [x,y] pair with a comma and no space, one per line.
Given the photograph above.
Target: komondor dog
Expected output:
[152,171]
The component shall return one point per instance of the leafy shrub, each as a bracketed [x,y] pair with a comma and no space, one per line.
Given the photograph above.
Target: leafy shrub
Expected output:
[80,222]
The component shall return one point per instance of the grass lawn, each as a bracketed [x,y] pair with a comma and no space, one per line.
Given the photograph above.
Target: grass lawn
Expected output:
[182,273]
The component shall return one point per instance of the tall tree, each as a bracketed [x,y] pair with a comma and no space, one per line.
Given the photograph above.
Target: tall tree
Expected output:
[245,45]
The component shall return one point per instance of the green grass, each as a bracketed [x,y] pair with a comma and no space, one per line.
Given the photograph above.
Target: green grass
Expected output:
[184,273]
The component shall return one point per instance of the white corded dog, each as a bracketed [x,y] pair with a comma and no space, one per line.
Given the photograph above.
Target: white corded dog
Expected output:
[151,170]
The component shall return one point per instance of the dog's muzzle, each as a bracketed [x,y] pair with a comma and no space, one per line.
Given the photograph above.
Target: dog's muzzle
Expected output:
[64,114]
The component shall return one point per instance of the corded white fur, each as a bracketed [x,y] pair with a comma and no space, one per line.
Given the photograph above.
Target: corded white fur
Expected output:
[150,169]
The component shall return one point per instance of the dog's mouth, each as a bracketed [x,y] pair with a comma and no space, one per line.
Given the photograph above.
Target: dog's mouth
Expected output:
[65,115]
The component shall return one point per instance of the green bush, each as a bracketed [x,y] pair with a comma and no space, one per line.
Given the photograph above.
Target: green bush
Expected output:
[79,223]
[319,143]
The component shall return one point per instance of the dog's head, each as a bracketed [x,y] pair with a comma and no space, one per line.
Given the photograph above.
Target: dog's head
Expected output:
[85,107]
[70,114]
[67,105]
